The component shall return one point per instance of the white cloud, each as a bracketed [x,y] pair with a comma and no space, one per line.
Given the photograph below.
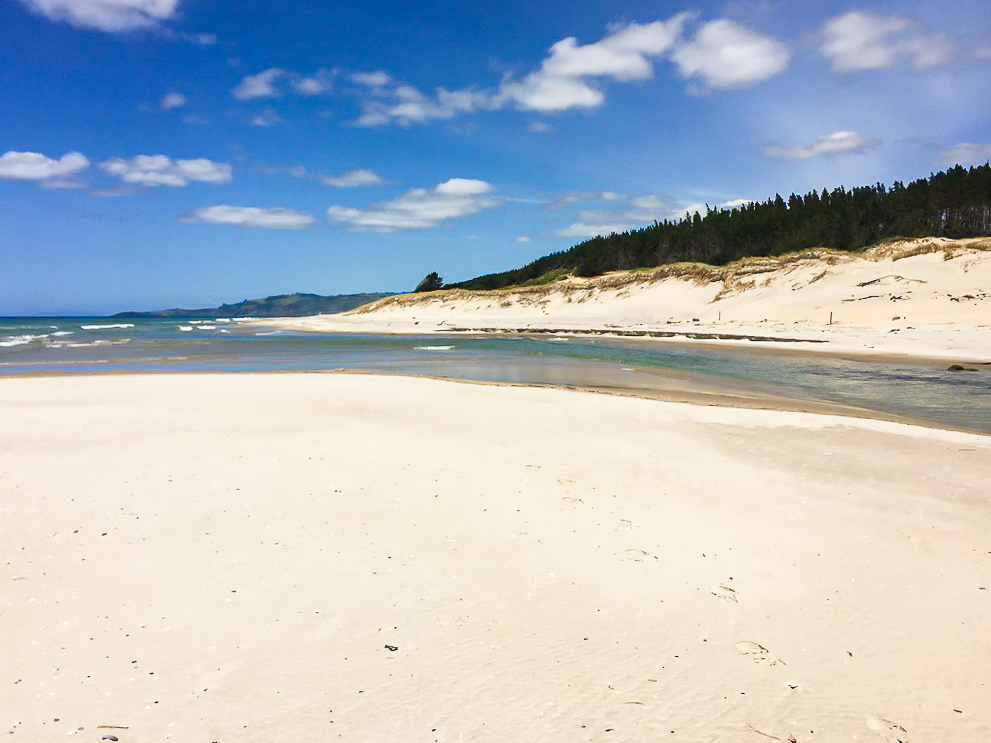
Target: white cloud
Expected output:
[316,84]
[106,15]
[562,82]
[724,54]
[410,106]
[33,166]
[159,170]
[377,79]
[647,202]
[861,40]
[837,143]
[261,85]
[540,127]
[420,208]
[268,117]
[252,216]
[965,153]
[354,179]
[545,93]
[173,100]
[637,212]
[310,86]
[592,229]
[566,79]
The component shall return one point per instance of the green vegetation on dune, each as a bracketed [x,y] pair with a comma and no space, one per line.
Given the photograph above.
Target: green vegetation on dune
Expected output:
[955,203]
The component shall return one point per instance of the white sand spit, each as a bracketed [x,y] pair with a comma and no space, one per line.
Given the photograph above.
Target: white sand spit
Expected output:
[927,297]
[232,558]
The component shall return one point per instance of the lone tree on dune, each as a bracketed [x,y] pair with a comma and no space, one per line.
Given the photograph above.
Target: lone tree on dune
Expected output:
[431,282]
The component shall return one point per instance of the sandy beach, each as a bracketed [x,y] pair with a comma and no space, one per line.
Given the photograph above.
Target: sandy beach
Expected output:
[921,298]
[355,557]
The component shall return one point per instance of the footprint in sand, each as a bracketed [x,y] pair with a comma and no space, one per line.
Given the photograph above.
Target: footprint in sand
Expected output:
[724,592]
[636,555]
[891,732]
[758,653]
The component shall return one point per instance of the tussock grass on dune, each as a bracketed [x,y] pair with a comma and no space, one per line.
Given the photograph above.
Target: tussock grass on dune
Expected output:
[737,276]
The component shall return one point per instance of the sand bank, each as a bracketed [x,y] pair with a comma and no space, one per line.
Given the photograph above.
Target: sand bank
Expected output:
[920,298]
[322,557]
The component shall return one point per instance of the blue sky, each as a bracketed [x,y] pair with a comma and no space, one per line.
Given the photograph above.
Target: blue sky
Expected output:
[158,153]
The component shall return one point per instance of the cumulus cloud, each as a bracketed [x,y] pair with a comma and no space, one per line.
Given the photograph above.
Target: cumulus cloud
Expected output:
[353,179]
[965,153]
[318,83]
[261,85]
[724,54]
[106,15]
[420,208]
[837,143]
[406,105]
[251,216]
[33,166]
[268,117]
[159,170]
[310,86]
[861,40]
[173,100]
[565,78]
[377,79]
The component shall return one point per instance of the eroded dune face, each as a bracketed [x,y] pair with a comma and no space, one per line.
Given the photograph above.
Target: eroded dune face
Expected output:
[925,297]
[937,280]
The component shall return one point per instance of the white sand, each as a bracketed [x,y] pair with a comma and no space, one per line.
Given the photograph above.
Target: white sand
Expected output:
[897,299]
[225,558]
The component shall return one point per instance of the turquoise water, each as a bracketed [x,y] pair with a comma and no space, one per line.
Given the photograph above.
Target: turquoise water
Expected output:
[926,392]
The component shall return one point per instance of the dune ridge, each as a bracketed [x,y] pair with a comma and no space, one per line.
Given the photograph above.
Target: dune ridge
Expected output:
[922,297]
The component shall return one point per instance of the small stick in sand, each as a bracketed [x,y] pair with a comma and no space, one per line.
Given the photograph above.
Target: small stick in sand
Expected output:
[761,732]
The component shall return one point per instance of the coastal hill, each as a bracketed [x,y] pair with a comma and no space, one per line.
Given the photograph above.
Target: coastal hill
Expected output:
[953,204]
[280,305]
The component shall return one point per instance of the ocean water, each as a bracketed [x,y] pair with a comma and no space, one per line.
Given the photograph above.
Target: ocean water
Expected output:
[925,392]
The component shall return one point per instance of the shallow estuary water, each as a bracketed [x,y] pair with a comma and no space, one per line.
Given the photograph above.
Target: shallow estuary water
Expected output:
[925,392]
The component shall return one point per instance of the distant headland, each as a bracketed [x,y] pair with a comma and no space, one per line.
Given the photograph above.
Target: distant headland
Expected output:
[280,305]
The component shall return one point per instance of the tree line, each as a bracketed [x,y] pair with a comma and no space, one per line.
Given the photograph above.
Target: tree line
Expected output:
[953,203]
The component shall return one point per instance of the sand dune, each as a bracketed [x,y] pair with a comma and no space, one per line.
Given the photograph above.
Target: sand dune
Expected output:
[915,297]
[323,557]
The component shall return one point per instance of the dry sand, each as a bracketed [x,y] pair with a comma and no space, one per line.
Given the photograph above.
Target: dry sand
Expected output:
[921,298]
[230,558]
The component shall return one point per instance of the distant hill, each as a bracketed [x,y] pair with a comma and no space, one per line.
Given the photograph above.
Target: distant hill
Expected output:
[281,305]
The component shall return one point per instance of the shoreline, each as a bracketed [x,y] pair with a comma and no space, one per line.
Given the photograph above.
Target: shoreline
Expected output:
[684,390]
[869,342]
